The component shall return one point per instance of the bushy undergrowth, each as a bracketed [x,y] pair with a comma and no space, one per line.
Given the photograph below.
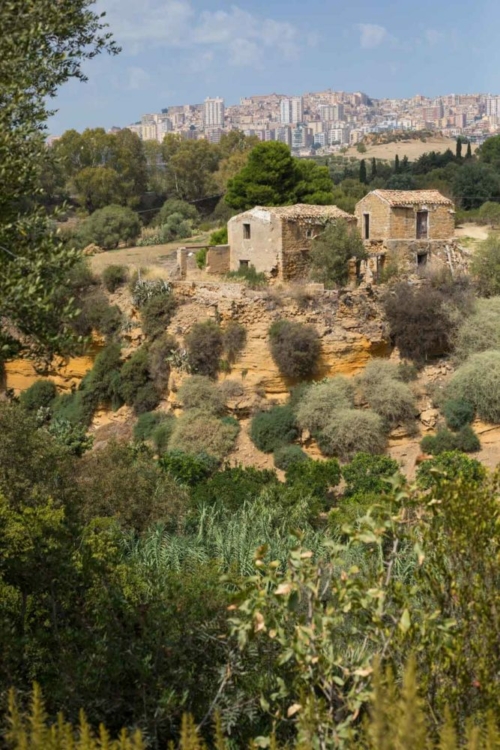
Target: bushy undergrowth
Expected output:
[458,413]
[465,440]
[198,432]
[234,340]
[480,331]
[272,429]
[96,314]
[204,344]
[232,487]
[368,474]
[189,469]
[315,477]
[320,402]
[38,395]
[286,455]
[114,277]
[352,431]
[295,348]
[254,279]
[477,381]
[156,427]
[388,396]
[160,355]
[448,467]
[156,314]
[199,392]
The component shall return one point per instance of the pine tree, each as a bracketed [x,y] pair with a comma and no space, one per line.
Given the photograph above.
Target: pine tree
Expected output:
[459,148]
[374,168]
[396,165]
[362,172]
[469,151]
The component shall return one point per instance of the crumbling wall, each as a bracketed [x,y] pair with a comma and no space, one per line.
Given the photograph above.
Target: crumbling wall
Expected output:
[262,249]
[218,259]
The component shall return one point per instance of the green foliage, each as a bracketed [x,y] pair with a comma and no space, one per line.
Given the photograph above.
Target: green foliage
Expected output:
[286,455]
[420,321]
[475,184]
[445,441]
[143,290]
[489,152]
[38,395]
[392,399]
[232,487]
[467,440]
[71,436]
[315,476]
[109,227]
[114,277]
[201,258]
[134,375]
[146,398]
[480,330]
[321,402]
[187,468]
[96,314]
[486,266]
[477,382]
[157,313]
[254,279]
[146,424]
[449,467]
[219,237]
[199,392]
[234,340]
[204,344]
[458,413]
[272,429]
[295,348]
[490,213]
[197,432]
[367,474]
[160,355]
[352,431]
[331,252]
[174,206]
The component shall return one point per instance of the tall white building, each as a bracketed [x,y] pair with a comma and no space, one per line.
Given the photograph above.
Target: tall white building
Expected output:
[493,106]
[292,110]
[213,113]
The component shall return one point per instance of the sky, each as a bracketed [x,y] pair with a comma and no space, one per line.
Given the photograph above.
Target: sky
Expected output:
[181,51]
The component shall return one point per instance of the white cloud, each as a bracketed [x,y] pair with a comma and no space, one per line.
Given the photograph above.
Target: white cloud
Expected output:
[372,35]
[242,36]
[432,36]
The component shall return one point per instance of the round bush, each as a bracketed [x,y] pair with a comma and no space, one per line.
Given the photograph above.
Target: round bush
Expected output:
[315,476]
[198,432]
[480,331]
[392,399]
[156,314]
[148,422]
[367,473]
[467,441]
[274,428]
[442,442]
[320,402]
[478,382]
[162,433]
[352,431]
[458,413]
[295,348]
[287,455]
[114,277]
[188,469]
[450,466]
[38,395]
[110,226]
[199,392]
[147,399]
[134,375]
[204,345]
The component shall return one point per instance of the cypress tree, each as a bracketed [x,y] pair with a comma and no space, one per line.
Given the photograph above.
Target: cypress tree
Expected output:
[405,164]
[396,165]
[374,168]
[459,148]
[362,172]
[469,151]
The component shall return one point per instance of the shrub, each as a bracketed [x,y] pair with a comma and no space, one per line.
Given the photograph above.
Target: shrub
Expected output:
[420,321]
[234,340]
[110,226]
[486,266]
[71,408]
[249,274]
[477,381]
[96,314]
[388,397]
[458,413]
[331,252]
[38,395]
[201,258]
[490,212]
[368,474]
[315,476]
[467,441]
[175,206]
[199,392]
[114,277]
[157,313]
[134,375]
[147,398]
[231,389]
[156,427]
[322,401]
[162,433]
[142,290]
[451,466]
[351,509]
[352,431]
[160,354]
[407,372]
[442,442]
[204,345]
[188,469]
[287,455]
[479,331]
[174,228]
[71,436]
[274,428]
[198,432]
[219,237]
[295,348]
[234,486]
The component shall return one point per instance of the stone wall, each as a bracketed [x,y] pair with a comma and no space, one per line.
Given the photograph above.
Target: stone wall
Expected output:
[380,217]
[262,248]
[388,223]
[218,260]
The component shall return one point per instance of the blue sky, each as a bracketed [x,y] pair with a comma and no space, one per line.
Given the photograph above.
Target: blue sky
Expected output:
[181,51]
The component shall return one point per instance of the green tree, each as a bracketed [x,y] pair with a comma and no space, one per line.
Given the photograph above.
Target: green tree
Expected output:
[362,172]
[476,183]
[396,165]
[268,179]
[314,184]
[458,152]
[469,151]
[489,152]
[331,252]
[189,167]
[109,226]
[374,169]
[43,45]
[97,187]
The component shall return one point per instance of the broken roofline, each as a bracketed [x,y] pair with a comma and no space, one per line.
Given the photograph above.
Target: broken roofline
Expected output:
[404,198]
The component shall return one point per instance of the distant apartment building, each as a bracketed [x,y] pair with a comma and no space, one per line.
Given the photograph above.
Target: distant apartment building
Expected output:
[214,135]
[213,113]
[284,135]
[339,135]
[493,106]
[292,110]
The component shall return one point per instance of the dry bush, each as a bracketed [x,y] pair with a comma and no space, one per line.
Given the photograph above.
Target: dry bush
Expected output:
[199,392]
[231,389]
[156,314]
[480,331]
[235,338]
[160,354]
[295,348]
[352,431]
[392,399]
[198,432]
[204,344]
[478,382]
[320,403]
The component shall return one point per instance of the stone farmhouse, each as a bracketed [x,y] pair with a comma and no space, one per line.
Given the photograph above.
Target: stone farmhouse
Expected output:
[277,240]
[411,226]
